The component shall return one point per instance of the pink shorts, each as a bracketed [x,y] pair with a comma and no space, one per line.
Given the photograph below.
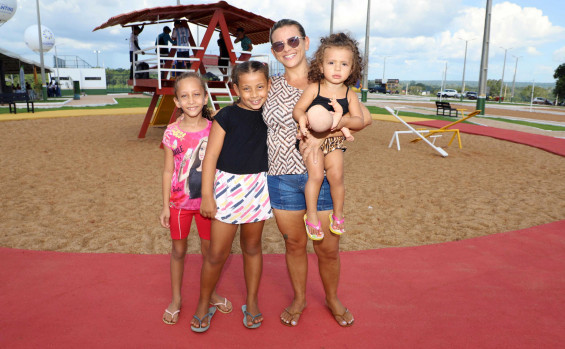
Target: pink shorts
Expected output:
[181,220]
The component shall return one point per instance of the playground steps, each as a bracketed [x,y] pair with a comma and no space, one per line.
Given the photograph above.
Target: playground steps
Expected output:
[216,89]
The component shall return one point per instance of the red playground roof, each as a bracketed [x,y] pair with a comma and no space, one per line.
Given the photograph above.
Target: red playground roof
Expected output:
[256,27]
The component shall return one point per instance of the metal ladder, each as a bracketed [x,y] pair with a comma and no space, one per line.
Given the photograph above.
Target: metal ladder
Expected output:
[216,89]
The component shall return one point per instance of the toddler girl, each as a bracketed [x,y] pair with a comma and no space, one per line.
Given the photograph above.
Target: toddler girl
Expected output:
[336,65]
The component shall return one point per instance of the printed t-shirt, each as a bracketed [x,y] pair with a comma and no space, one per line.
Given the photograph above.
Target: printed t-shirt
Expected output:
[245,144]
[188,151]
[181,34]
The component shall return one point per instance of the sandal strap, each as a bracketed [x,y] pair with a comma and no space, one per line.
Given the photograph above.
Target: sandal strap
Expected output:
[338,221]
[173,313]
[251,316]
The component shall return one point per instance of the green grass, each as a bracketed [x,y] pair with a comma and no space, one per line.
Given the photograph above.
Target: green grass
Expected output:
[377,110]
[122,103]
[532,124]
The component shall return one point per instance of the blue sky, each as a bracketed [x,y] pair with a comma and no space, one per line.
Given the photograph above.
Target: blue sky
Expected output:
[417,37]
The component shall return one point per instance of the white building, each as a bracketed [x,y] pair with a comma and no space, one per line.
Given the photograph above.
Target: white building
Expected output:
[69,69]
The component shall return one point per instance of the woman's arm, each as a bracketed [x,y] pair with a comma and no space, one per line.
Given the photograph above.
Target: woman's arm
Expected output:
[215,143]
[168,170]
[353,120]
[366,117]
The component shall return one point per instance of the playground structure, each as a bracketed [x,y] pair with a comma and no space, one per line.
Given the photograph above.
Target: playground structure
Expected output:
[446,128]
[158,78]
[424,134]
[411,130]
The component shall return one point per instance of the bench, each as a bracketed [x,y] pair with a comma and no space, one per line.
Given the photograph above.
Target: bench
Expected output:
[446,107]
[12,98]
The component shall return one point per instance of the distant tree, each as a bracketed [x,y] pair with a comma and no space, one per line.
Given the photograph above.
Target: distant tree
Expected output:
[559,74]
[493,87]
[525,94]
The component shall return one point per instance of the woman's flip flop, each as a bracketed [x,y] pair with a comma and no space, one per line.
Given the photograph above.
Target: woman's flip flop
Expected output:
[333,220]
[315,237]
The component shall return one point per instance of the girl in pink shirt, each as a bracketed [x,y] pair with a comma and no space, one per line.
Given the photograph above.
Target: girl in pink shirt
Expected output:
[185,144]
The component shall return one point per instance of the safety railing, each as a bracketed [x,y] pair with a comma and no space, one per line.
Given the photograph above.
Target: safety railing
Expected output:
[156,62]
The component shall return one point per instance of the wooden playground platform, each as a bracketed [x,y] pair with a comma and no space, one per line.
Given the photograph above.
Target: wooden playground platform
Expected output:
[162,69]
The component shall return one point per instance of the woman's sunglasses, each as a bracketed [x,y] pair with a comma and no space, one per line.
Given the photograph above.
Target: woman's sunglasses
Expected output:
[292,42]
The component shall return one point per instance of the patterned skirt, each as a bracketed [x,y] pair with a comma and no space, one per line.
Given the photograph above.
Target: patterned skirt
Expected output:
[242,198]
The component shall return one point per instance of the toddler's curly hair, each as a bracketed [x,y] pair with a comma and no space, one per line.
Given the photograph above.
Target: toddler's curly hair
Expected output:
[341,40]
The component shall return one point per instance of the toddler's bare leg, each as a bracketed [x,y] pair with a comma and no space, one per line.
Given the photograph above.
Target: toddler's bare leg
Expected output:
[347,134]
[334,173]
[313,185]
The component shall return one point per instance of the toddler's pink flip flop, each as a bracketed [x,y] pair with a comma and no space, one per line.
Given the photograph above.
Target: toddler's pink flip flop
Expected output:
[333,220]
[318,228]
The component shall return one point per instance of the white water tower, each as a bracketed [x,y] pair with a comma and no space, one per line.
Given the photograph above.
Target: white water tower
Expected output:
[7,10]
[32,40]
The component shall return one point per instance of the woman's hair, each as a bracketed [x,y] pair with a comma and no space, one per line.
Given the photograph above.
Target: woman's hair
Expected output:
[284,23]
[249,67]
[341,40]
[206,114]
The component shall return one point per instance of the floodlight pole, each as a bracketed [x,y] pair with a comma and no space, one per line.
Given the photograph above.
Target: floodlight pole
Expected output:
[57,65]
[514,79]
[332,19]
[481,100]
[384,67]
[43,81]
[365,87]
[503,68]
[464,65]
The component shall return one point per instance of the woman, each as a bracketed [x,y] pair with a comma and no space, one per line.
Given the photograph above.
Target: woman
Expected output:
[287,177]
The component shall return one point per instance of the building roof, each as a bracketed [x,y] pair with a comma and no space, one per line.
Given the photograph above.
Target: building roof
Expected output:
[256,27]
[12,63]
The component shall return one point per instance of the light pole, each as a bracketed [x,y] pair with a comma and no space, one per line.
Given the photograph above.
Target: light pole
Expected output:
[443,82]
[481,100]
[97,52]
[332,19]
[384,67]
[365,88]
[503,68]
[464,65]
[57,65]
[43,81]
[514,79]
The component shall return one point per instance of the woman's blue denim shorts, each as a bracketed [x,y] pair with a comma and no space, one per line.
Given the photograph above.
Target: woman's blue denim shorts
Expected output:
[287,193]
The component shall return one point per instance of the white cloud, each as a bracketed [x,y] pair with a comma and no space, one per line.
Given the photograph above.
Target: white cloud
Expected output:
[533,51]
[559,55]
[418,35]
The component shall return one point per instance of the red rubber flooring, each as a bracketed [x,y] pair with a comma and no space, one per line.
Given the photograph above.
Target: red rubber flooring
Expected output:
[505,290]
[550,144]
[500,291]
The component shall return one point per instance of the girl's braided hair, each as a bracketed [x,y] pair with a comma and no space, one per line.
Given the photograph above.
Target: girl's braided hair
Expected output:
[341,40]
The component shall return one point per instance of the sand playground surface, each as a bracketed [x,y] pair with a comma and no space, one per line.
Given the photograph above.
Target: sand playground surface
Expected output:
[88,184]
